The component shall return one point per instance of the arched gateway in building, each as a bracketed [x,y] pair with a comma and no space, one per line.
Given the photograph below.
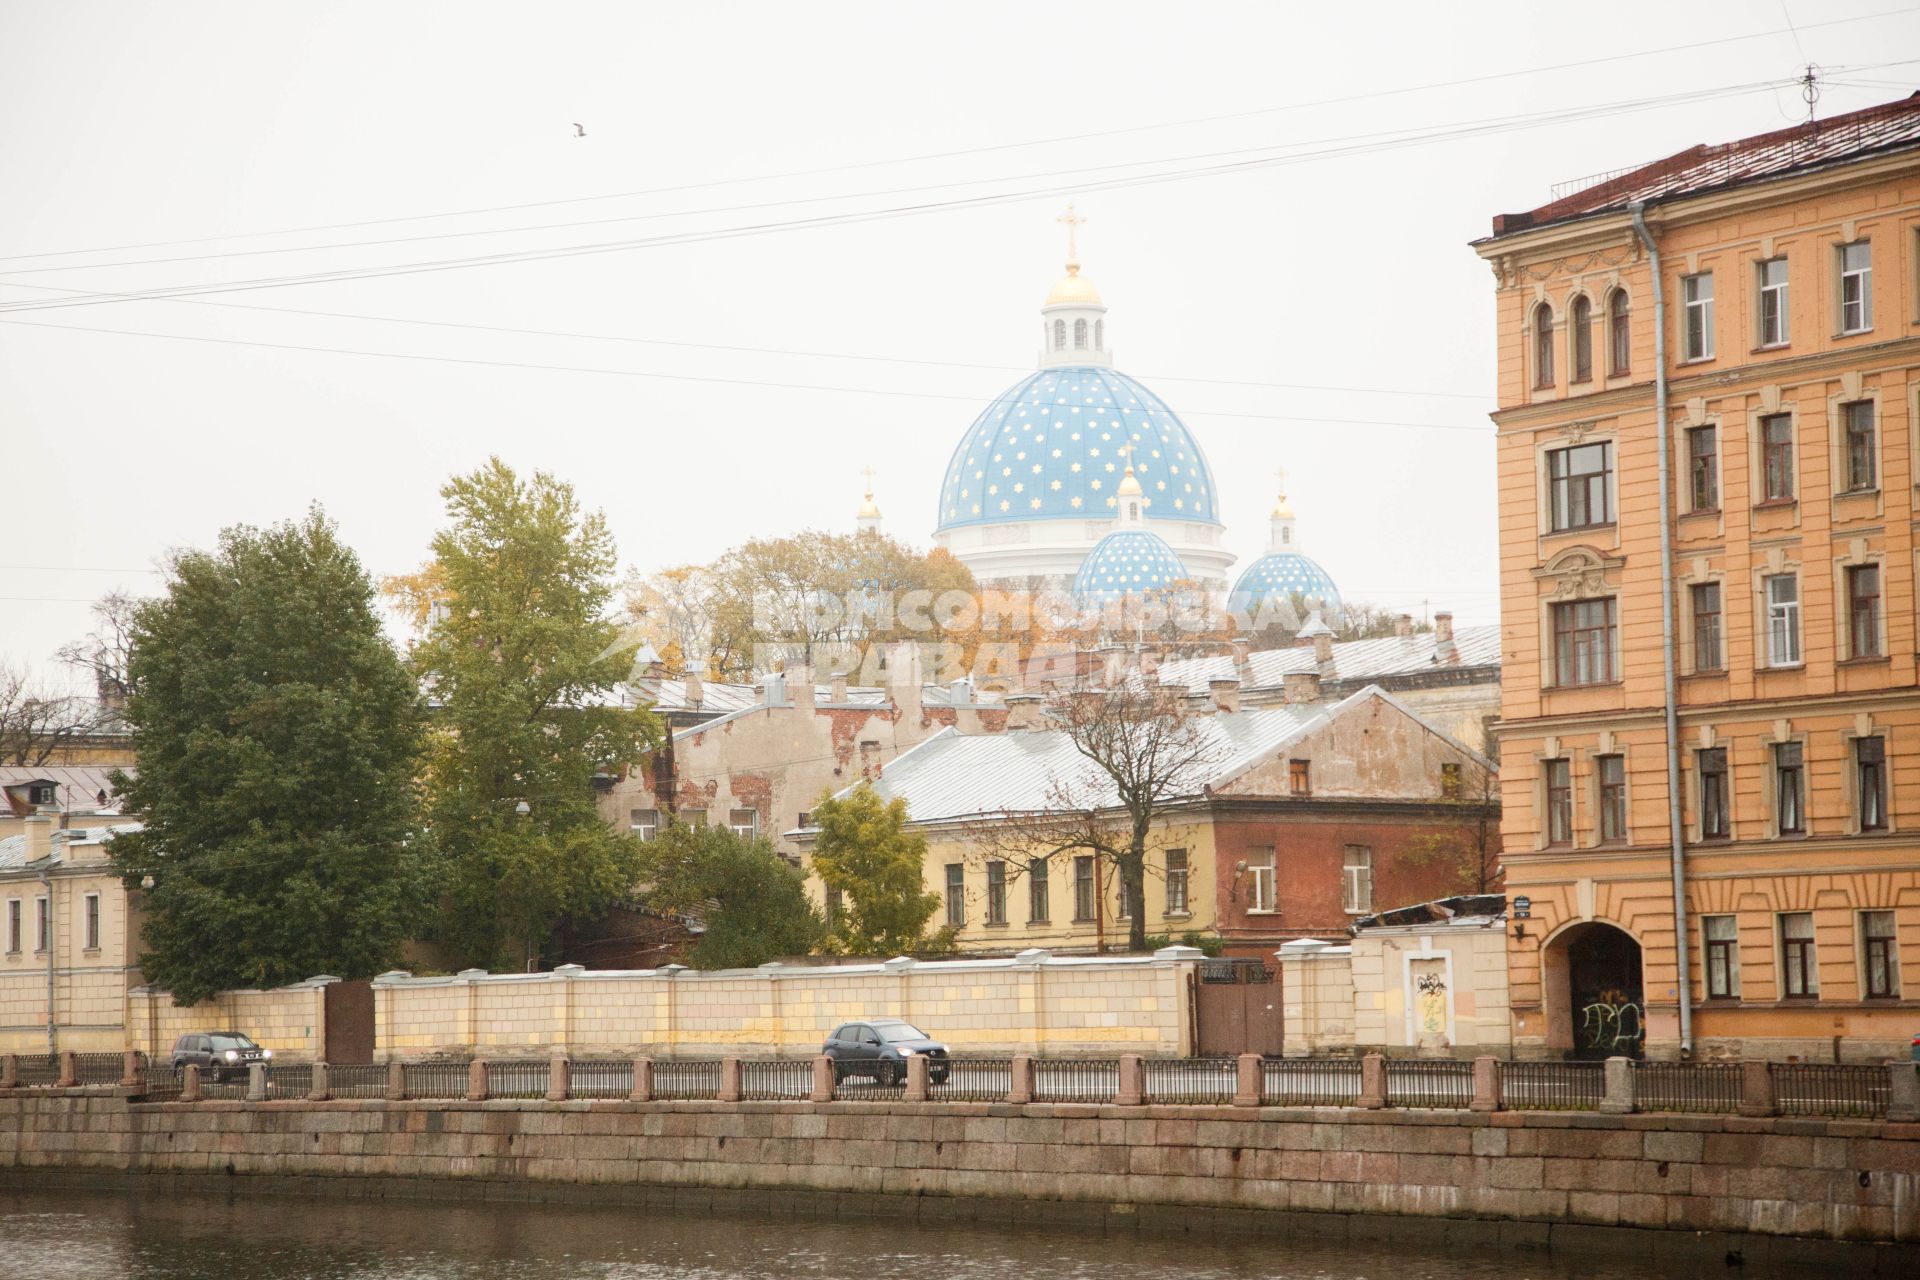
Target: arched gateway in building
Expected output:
[1595,999]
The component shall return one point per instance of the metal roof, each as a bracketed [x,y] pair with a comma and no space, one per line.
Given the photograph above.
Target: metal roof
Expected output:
[1352,660]
[78,784]
[724,699]
[13,849]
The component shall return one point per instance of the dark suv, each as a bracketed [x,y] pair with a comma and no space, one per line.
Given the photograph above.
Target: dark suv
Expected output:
[222,1055]
[879,1048]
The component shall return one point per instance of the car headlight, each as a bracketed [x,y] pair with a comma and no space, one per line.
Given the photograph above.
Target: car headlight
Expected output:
[266,1053]
[233,1055]
[906,1053]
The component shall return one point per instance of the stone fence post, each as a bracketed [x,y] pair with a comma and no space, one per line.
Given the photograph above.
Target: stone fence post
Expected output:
[1487,1083]
[730,1088]
[256,1082]
[190,1083]
[396,1081]
[1249,1081]
[1903,1099]
[1620,1085]
[918,1083]
[9,1071]
[1756,1089]
[1020,1080]
[479,1080]
[320,1088]
[69,1070]
[822,1090]
[559,1078]
[1373,1082]
[1133,1081]
[133,1069]
[642,1090]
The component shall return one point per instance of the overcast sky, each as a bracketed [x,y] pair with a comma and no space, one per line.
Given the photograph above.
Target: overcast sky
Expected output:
[126,125]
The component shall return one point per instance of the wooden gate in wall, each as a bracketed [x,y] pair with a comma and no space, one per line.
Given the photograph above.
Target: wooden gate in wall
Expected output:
[1236,1007]
[349,1023]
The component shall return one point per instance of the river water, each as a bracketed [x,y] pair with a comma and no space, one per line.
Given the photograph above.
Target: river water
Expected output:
[159,1235]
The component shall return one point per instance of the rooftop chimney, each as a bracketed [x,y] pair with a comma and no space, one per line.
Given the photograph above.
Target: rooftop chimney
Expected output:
[837,691]
[1225,691]
[1299,687]
[696,691]
[1199,704]
[800,685]
[1241,647]
[1403,625]
[1323,652]
[39,832]
[773,689]
[1443,646]
[1023,712]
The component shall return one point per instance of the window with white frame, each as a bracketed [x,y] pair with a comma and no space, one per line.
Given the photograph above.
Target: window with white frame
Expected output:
[1260,880]
[1722,935]
[1880,950]
[90,922]
[693,817]
[1783,619]
[1356,880]
[644,823]
[1773,302]
[1079,335]
[744,823]
[1799,966]
[1696,335]
[1176,882]
[1856,287]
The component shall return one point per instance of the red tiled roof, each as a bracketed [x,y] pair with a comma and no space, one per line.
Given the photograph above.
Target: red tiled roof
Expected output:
[1890,126]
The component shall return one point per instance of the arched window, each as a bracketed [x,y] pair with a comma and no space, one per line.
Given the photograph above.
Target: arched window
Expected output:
[1079,335]
[1619,339]
[1543,346]
[1100,335]
[1059,335]
[1580,334]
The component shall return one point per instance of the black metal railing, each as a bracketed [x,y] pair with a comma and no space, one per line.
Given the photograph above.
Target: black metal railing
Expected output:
[1831,1089]
[1310,1082]
[1702,1087]
[357,1081]
[972,1080]
[436,1078]
[289,1079]
[523,1078]
[600,1078]
[39,1070]
[163,1081]
[887,1083]
[1076,1079]
[1552,1086]
[1235,970]
[1424,1082]
[776,1079]
[687,1078]
[98,1068]
[1193,1081]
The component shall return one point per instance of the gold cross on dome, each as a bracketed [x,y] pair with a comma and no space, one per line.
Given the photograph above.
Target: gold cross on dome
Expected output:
[1071,221]
[868,473]
[1280,475]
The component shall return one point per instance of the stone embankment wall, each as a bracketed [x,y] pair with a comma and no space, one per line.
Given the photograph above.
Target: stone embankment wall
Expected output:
[1829,1180]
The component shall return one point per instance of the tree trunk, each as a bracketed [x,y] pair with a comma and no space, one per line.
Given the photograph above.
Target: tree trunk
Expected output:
[1133,886]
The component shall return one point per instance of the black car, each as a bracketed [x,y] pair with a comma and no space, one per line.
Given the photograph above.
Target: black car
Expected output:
[223,1055]
[879,1048]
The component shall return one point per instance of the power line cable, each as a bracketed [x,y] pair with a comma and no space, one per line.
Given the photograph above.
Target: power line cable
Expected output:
[1398,91]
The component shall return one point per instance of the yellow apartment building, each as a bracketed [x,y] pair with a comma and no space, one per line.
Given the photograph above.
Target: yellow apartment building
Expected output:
[1754,304]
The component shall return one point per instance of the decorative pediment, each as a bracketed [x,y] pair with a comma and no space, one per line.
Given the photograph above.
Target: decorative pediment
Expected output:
[1578,571]
[1577,432]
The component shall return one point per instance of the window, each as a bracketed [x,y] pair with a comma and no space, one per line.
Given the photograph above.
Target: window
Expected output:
[644,823]
[1696,342]
[1039,910]
[42,793]
[1723,956]
[694,817]
[956,894]
[1773,303]
[1299,777]
[1703,465]
[1856,287]
[1356,880]
[1801,978]
[1708,655]
[836,905]
[45,921]
[1776,456]
[1863,611]
[1559,802]
[1612,772]
[1714,795]
[996,892]
[1789,788]
[1870,782]
[1100,334]
[744,823]
[1083,896]
[1450,780]
[1583,642]
[1882,954]
[13,926]
[90,922]
[1619,338]
[1580,334]
[1543,346]
[1124,909]
[1580,486]
[1059,335]
[1176,882]
[1861,472]
[1260,880]
[1783,619]
[1079,335]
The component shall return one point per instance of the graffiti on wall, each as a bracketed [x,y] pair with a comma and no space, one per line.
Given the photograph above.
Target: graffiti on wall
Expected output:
[1614,1024]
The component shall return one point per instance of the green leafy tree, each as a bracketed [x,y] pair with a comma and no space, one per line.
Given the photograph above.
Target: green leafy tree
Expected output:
[278,735]
[751,903]
[866,851]
[515,654]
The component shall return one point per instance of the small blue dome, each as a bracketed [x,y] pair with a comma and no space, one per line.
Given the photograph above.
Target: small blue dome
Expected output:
[1128,562]
[1048,448]
[1279,576]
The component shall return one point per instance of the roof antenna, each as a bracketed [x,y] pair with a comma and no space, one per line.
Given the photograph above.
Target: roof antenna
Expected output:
[1810,94]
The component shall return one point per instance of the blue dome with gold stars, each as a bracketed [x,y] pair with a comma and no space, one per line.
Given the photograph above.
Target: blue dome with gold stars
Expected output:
[1049,448]
[1127,562]
[1278,577]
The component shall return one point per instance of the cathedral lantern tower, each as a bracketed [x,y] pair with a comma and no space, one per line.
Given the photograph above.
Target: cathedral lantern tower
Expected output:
[1073,320]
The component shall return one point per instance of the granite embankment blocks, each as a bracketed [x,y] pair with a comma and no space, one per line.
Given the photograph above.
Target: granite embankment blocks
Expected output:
[1827,1179]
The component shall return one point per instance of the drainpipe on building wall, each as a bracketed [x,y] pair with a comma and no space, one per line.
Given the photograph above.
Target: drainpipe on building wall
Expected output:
[1676,814]
[53,1032]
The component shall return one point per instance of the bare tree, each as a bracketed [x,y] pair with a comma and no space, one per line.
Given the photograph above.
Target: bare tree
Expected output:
[107,651]
[1467,844]
[37,724]
[1140,751]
